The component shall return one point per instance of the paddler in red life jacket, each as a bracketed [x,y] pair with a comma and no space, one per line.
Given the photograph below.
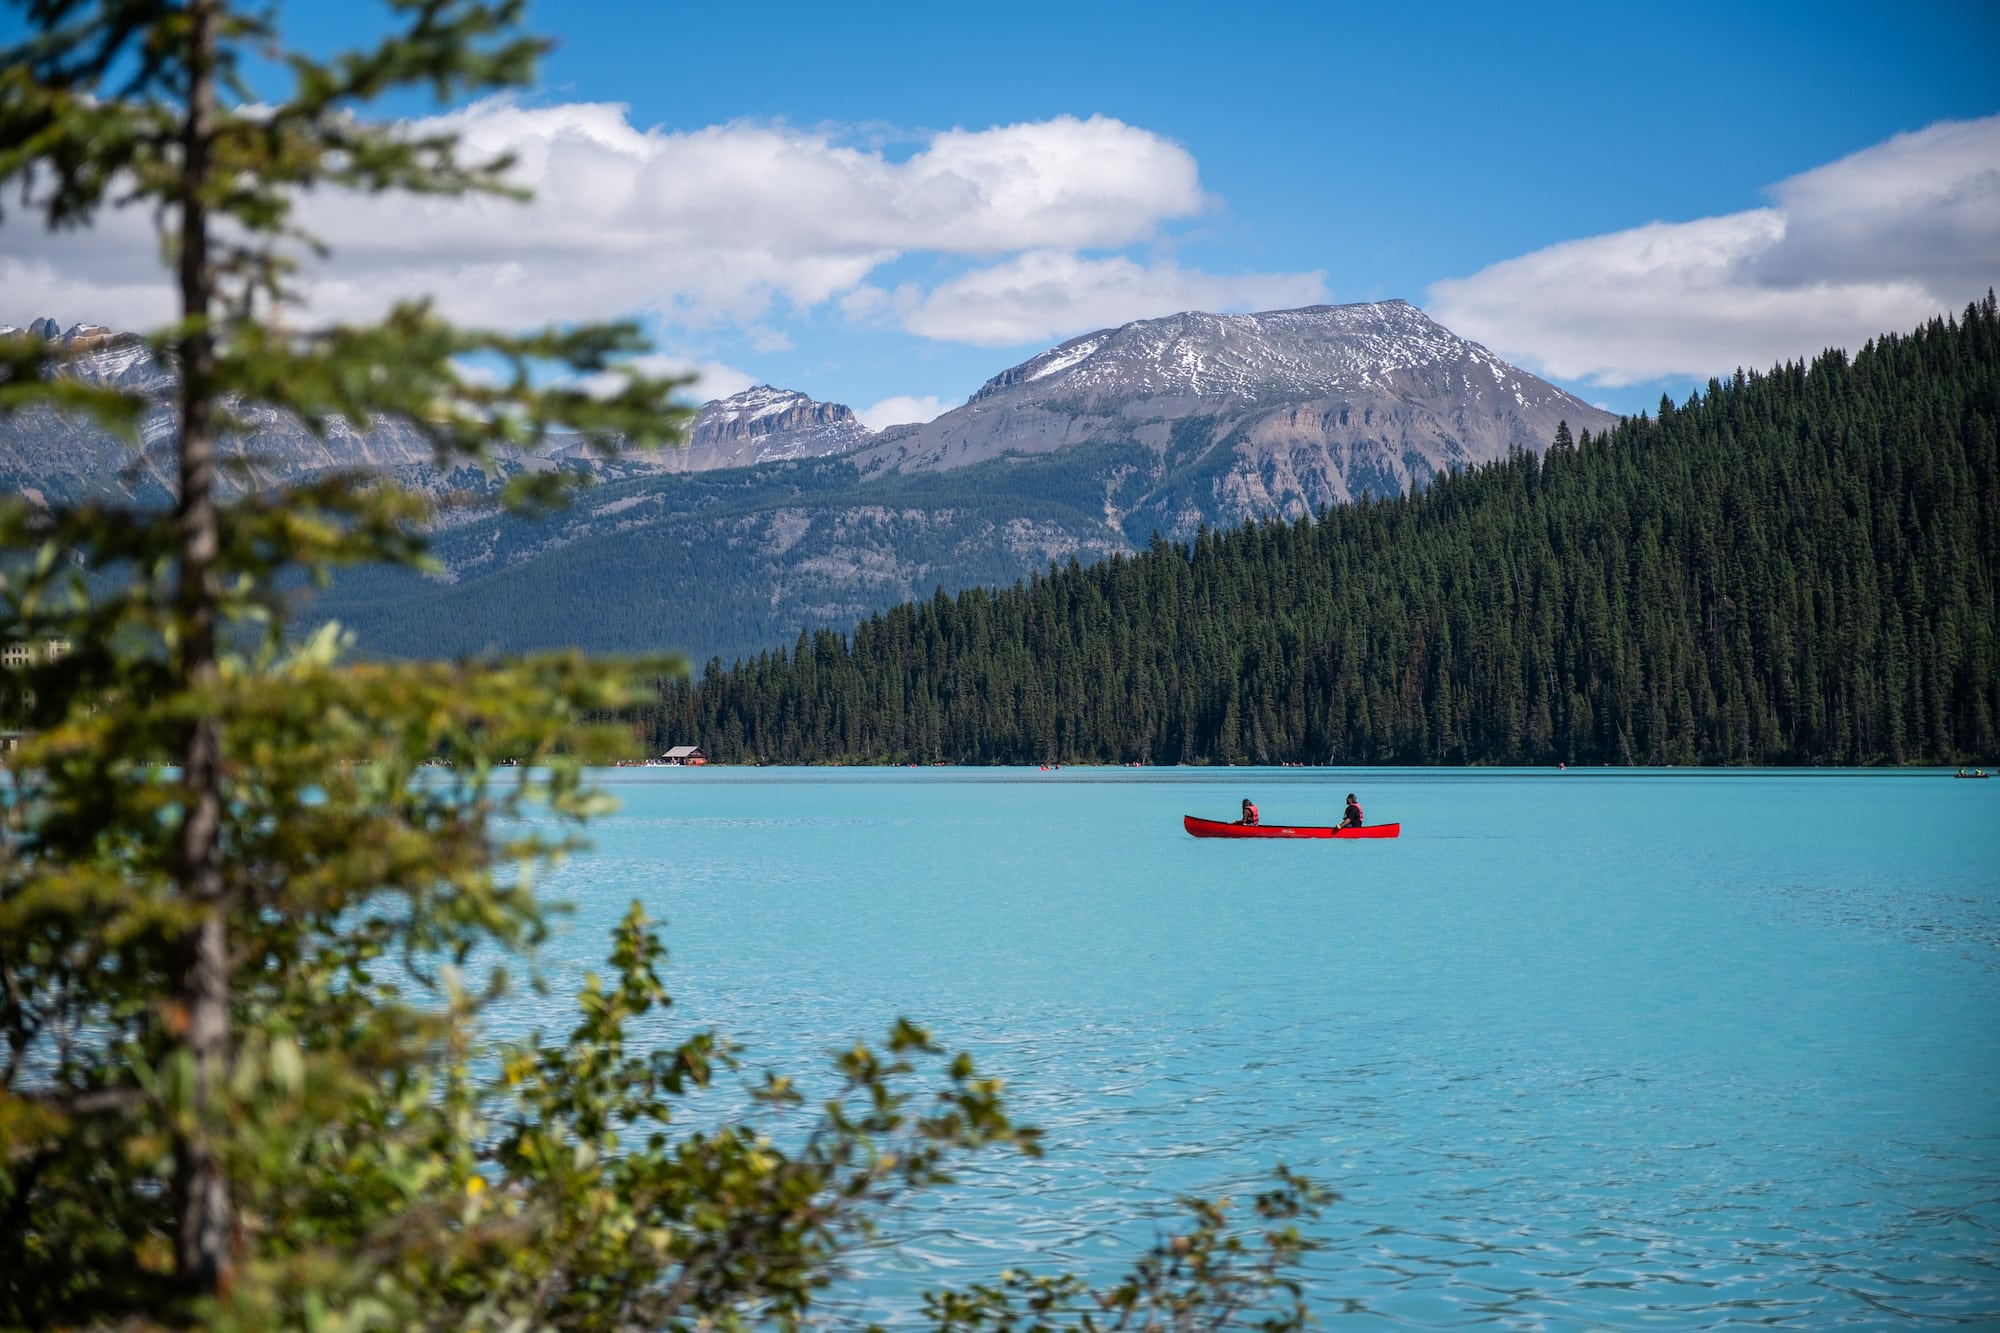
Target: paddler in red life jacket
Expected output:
[1352,817]
[1249,813]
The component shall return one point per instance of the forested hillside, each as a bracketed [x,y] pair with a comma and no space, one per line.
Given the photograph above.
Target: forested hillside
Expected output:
[732,561]
[1083,450]
[1793,568]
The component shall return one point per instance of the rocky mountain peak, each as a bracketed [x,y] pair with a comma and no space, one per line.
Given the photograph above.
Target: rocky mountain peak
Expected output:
[1211,417]
[1274,356]
[763,409]
[95,354]
[764,424]
[76,335]
[1293,408]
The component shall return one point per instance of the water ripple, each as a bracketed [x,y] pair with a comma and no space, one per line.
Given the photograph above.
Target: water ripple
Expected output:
[1603,1076]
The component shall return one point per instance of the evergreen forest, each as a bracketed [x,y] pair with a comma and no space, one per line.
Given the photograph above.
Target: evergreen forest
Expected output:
[1793,568]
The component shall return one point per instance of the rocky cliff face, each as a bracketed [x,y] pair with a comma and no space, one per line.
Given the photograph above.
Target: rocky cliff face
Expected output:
[764,425]
[1285,411]
[101,356]
[44,453]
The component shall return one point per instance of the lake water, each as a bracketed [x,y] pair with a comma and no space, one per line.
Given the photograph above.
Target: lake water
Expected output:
[1675,1050]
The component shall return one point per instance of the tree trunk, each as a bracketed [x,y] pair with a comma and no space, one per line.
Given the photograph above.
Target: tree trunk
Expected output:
[203,1251]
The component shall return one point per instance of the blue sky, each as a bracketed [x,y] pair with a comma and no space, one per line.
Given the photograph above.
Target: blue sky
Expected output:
[884,204]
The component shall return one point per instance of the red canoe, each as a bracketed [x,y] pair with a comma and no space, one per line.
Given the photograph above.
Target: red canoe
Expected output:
[1215,828]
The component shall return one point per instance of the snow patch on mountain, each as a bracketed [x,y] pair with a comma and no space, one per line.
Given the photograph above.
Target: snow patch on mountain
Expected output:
[96,355]
[1264,357]
[1063,357]
[760,403]
[1311,406]
[763,424]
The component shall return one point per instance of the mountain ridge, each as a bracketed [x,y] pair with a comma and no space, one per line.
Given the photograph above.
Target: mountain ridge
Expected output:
[1374,387]
[785,513]
[757,425]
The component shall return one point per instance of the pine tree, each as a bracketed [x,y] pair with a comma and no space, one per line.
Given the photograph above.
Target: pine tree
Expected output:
[239,926]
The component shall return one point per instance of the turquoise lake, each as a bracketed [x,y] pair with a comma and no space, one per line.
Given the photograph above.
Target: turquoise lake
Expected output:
[1585,1049]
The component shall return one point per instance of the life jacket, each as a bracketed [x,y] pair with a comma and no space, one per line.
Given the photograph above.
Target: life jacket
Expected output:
[1249,813]
[1352,818]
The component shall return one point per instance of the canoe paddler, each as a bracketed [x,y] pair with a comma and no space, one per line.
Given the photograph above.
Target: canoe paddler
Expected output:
[1351,817]
[1249,812]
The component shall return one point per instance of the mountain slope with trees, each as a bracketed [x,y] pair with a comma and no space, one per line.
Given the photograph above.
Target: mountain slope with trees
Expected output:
[784,514]
[1796,567]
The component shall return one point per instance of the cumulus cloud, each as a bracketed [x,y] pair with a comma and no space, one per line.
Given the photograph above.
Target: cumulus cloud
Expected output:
[707,379]
[108,275]
[712,379]
[719,225]
[903,410]
[1046,294]
[1875,242]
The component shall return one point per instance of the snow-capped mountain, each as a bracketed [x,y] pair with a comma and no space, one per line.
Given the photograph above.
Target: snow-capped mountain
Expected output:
[61,457]
[1314,406]
[763,425]
[759,425]
[784,513]
[1280,355]
[102,356]
[58,457]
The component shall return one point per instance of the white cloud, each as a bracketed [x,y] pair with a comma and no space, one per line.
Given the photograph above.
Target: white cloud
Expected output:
[36,285]
[1922,207]
[1876,242]
[713,380]
[710,379]
[1046,294]
[714,225]
[903,410]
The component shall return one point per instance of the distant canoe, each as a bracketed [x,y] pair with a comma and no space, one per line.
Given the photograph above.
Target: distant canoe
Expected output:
[1216,828]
